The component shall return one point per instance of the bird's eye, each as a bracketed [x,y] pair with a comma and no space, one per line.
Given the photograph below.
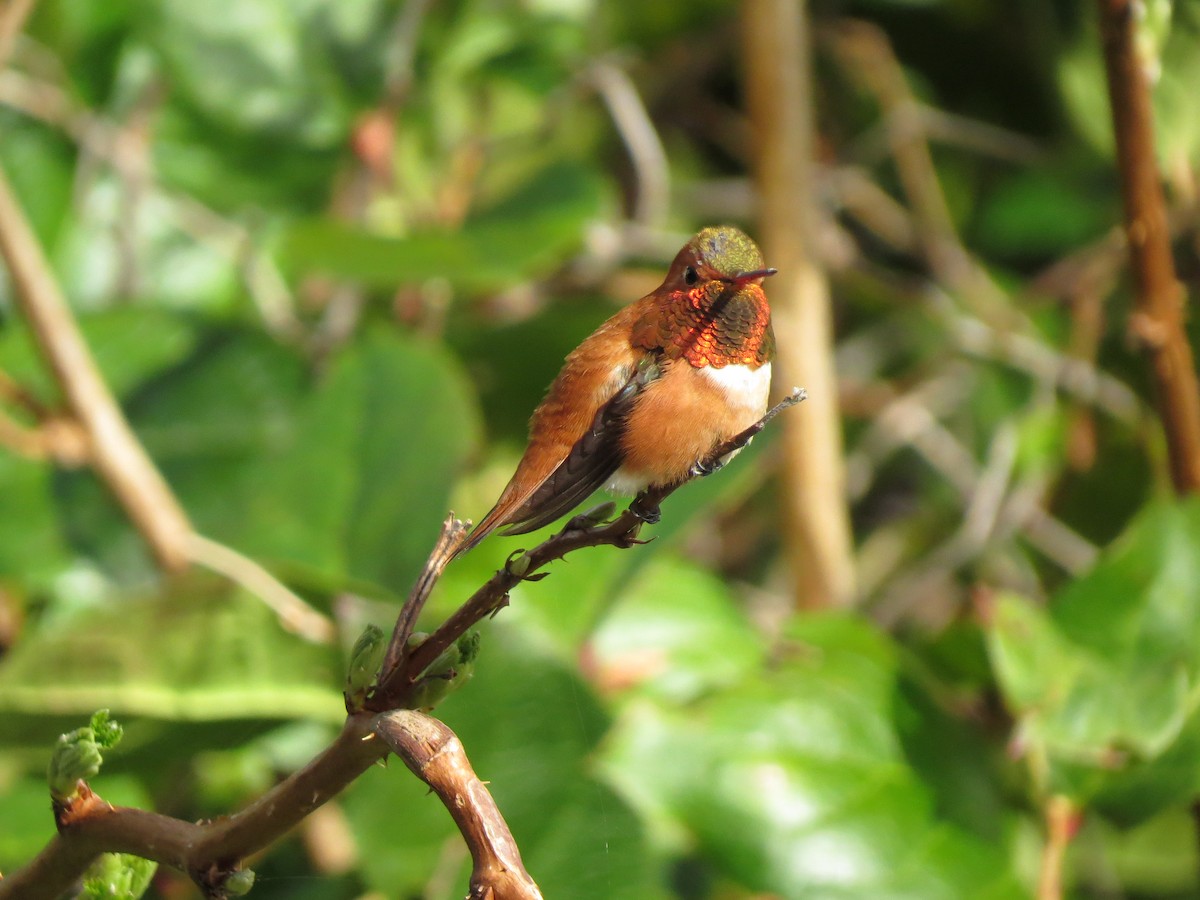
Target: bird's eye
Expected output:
[690,275]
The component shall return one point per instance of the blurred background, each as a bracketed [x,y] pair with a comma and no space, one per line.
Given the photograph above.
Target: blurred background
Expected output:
[329,254]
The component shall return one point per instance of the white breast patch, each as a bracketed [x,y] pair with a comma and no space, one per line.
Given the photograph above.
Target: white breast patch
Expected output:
[743,385]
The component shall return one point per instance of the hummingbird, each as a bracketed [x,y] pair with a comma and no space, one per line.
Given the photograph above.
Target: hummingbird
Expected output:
[647,397]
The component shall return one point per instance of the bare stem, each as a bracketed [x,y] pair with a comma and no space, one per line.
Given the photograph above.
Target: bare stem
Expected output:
[817,533]
[294,614]
[1062,820]
[115,452]
[452,535]
[12,18]
[1160,297]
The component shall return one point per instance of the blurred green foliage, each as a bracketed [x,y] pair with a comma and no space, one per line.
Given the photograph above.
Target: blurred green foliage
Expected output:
[328,255]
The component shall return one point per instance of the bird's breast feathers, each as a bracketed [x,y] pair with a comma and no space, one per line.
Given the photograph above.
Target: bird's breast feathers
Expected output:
[742,385]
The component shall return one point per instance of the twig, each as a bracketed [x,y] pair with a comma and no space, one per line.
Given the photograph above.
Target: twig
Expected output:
[1160,297]
[817,534]
[1074,375]
[294,614]
[435,755]
[1025,511]
[869,54]
[402,51]
[111,446]
[1062,821]
[991,513]
[12,20]
[451,537]
[636,128]
[116,453]
[396,681]
[56,437]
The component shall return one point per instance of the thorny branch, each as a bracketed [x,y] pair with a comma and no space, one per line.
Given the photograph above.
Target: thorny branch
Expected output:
[211,851]
[208,851]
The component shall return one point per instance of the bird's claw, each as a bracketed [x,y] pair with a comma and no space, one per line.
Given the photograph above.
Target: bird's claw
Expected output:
[647,512]
[704,467]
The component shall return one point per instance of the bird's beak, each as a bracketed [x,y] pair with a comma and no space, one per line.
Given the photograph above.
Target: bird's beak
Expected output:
[753,275]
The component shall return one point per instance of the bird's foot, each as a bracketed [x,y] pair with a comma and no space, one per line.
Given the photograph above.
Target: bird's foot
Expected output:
[648,512]
[702,467]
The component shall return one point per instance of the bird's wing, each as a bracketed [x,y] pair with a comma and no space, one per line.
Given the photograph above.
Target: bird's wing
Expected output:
[590,463]
[576,429]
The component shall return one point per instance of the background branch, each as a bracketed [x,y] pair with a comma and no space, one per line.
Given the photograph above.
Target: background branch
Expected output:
[12,18]
[115,452]
[1158,321]
[817,537]
[110,445]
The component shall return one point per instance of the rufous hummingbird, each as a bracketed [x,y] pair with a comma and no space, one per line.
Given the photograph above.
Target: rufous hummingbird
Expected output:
[653,391]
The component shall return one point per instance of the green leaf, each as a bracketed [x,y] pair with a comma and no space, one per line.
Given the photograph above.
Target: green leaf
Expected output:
[194,654]
[32,547]
[416,424]
[120,876]
[345,475]
[676,632]
[794,783]
[1041,213]
[128,344]
[250,66]
[529,232]
[1107,682]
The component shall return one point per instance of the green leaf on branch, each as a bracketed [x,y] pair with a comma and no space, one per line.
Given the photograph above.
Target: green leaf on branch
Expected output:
[118,876]
[1106,681]
[365,659]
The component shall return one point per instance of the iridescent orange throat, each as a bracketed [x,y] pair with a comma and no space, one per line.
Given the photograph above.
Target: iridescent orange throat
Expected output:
[713,324]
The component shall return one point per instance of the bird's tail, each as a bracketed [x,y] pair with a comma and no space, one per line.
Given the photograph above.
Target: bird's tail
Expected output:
[476,535]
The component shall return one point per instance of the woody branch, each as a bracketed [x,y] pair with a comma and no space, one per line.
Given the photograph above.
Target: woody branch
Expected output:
[1160,298]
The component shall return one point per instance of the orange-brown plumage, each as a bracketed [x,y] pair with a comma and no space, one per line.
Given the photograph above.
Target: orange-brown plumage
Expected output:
[653,390]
